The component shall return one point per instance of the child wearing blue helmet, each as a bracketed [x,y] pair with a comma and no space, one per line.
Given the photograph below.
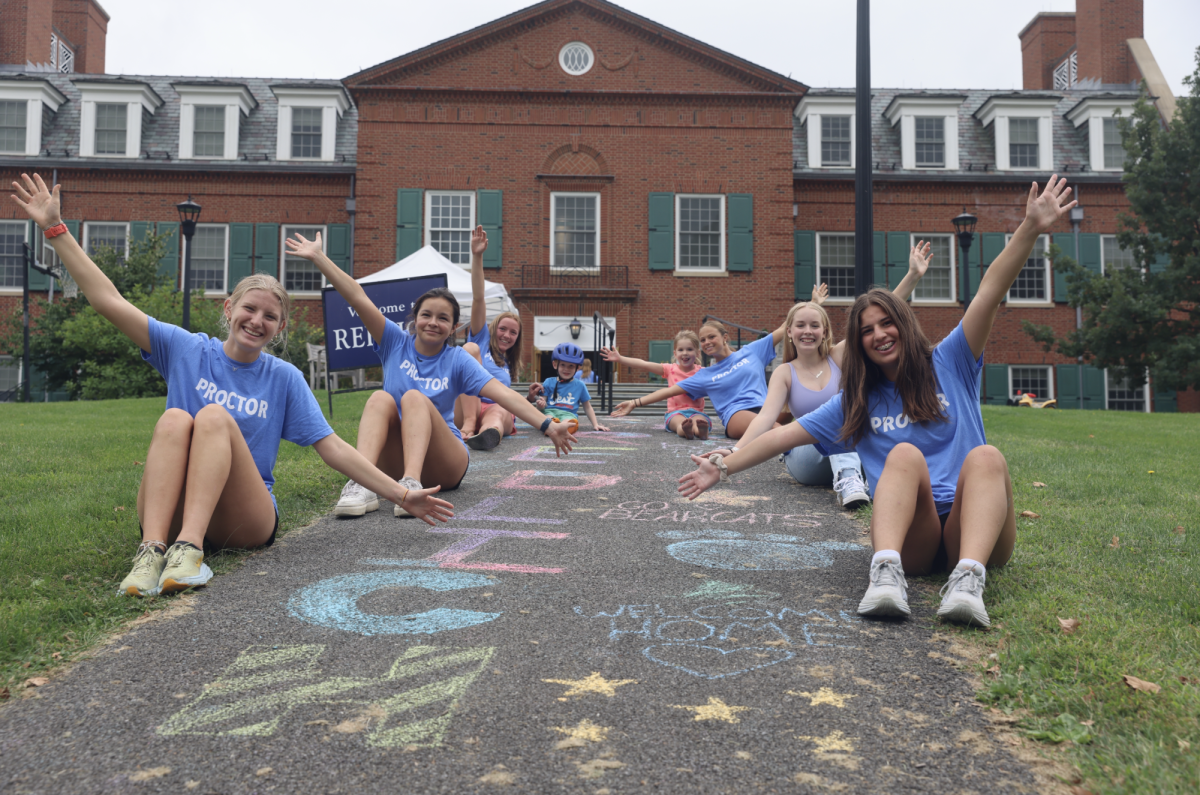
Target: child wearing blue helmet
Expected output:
[559,398]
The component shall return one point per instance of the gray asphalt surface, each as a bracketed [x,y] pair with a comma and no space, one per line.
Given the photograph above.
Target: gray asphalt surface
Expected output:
[577,627]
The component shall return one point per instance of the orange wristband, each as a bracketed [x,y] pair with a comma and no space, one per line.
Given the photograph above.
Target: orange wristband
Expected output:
[55,231]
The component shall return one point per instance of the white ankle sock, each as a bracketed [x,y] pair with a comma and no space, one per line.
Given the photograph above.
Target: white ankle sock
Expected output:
[980,569]
[885,554]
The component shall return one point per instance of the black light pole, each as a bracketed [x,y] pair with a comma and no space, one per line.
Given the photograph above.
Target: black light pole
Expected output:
[864,222]
[25,325]
[964,227]
[189,211]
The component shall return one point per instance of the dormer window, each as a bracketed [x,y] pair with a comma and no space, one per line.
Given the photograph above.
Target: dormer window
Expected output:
[308,121]
[111,128]
[210,116]
[1023,143]
[306,132]
[22,103]
[928,129]
[1021,124]
[835,140]
[930,141]
[1106,150]
[830,120]
[110,117]
[13,127]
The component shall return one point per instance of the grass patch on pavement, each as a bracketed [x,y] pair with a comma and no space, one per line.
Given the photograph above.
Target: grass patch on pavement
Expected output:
[69,527]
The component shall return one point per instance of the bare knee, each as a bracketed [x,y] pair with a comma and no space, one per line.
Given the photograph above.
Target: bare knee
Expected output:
[212,417]
[174,423]
[413,400]
[905,454]
[986,458]
[380,402]
[473,349]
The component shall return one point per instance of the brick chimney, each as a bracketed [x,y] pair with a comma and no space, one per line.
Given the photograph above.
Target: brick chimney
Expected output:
[1045,42]
[25,32]
[1101,29]
[84,24]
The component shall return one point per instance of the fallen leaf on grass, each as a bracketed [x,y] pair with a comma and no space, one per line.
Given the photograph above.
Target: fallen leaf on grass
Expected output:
[1068,625]
[1031,515]
[5,693]
[67,578]
[138,463]
[1087,723]
[146,775]
[119,508]
[1037,484]
[1140,684]
[1189,680]
[1179,530]
[56,655]
[1184,745]
[36,681]
[994,671]
[263,771]
[1116,543]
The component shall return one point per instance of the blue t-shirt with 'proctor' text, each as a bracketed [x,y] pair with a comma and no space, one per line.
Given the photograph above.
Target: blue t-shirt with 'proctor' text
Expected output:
[565,397]
[267,398]
[499,371]
[441,378]
[737,382]
[944,444]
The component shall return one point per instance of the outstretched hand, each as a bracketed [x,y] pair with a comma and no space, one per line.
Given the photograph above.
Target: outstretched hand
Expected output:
[561,436]
[622,409]
[422,504]
[819,293]
[39,202]
[300,246]
[919,257]
[610,355]
[479,241]
[705,476]
[1045,210]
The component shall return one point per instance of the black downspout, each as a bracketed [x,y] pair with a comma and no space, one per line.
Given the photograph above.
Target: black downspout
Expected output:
[25,324]
[864,223]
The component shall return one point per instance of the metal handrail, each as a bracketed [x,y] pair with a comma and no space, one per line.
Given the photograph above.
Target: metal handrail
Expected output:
[760,332]
[604,368]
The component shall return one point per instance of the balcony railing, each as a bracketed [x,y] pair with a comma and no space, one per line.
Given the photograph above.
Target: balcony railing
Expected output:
[607,277]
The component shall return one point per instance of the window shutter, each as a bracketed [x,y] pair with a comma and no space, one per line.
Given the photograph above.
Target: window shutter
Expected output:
[491,218]
[898,249]
[410,216]
[741,231]
[880,260]
[241,253]
[37,279]
[1093,387]
[991,244]
[997,384]
[1089,252]
[1160,262]
[660,351]
[168,266]
[337,247]
[1066,242]
[804,264]
[662,232]
[266,249]
[1068,385]
[1165,401]
[139,231]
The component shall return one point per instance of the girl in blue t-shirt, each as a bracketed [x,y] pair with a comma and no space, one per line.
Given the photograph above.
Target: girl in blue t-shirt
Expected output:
[208,475]
[407,428]
[943,496]
[498,348]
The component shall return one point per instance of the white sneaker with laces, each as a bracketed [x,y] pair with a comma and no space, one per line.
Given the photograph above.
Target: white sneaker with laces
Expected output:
[887,595]
[851,491]
[410,484]
[356,500]
[962,599]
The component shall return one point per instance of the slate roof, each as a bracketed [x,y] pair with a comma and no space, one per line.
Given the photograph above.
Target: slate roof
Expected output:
[976,145]
[160,131]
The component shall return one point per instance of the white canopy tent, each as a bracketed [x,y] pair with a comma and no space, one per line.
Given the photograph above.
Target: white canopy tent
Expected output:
[428,261]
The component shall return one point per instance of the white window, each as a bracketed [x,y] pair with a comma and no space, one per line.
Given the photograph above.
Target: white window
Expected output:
[210,258]
[830,121]
[1113,257]
[1021,125]
[700,233]
[1114,145]
[928,128]
[210,116]
[299,275]
[1035,380]
[1023,143]
[449,219]
[209,134]
[22,103]
[10,377]
[1106,150]
[13,126]
[13,236]
[835,264]
[1120,397]
[97,236]
[576,58]
[930,141]
[308,121]
[575,231]
[110,117]
[835,140]
[1033,282]
[941,280]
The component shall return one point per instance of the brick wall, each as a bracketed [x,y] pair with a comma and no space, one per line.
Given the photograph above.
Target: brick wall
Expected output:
[25,31]
[1102,27]
[1045,41]
[85,24]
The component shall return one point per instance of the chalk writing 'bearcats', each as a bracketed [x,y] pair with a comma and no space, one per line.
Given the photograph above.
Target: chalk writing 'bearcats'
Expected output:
[231,400]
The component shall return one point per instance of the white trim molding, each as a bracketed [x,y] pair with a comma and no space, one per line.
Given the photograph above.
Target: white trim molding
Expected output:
[905,108]
[1093,111]
[237,101]
[333,103]
[809,112]
[1004,107]
[135,96]
[35,93]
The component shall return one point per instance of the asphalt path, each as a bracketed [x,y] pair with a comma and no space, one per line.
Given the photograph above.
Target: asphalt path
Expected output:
[577,627]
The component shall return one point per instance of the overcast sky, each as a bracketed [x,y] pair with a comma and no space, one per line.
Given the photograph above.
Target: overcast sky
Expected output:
[925,44]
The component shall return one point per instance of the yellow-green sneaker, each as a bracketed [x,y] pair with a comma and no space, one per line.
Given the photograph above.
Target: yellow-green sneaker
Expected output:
[148,564]
[185,569]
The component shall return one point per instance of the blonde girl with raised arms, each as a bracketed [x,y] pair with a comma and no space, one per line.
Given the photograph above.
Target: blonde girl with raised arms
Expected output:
[685,415]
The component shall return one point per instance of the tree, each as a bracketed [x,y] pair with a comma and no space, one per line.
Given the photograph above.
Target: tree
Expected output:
[1147,318]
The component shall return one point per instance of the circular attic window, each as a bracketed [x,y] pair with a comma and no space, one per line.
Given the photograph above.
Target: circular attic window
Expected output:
[576,58]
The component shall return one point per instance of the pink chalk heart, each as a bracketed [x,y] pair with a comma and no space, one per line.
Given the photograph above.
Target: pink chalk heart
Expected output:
[710,662]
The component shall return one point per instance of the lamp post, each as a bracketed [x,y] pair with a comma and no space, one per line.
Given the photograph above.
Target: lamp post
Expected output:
[1076,217]
[864,223]
[189,211]
[964,227]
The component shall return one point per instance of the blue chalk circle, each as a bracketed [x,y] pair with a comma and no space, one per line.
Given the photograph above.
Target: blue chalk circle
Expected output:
[776,537]
[334,602]
[711,662]
[761,555]
[682,534]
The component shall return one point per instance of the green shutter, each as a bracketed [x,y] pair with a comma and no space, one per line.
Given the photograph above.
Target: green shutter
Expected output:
[266,249]
[491,218]
[660,351]
[997,384]
[337,247]
[1165,402]
[1066,243]
[139,231]
[168,266]
[37,279]
[741,232]
[241,253]
[991,244]
[1160,262]
[974,271]
[1089,252]
[410,216]
[879,257]
[804,264]
[1093,387]
[898,251]
[661,228]
[1068,385]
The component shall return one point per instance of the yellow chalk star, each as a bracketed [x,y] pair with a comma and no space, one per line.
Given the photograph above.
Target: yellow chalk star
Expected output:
[835,742]
[716,709]
[730,498]
[592,684]
[586,730]
[824,696]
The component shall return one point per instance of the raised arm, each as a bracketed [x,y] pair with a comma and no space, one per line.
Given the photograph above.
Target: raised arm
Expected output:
[777,395]
[662,394]
[479,244]
[769,445]
[1041,213]
[611,355]
[42,206]
[311,250]
[918,263]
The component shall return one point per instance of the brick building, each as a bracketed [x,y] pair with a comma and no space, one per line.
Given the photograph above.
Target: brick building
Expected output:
[618,165]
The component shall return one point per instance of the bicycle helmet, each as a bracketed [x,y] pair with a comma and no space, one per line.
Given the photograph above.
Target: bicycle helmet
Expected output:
[566,352]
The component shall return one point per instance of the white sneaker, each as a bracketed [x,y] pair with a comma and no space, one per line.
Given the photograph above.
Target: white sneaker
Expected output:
[887,595]
[410,484]
[852,492]
[962,599]
[356,500]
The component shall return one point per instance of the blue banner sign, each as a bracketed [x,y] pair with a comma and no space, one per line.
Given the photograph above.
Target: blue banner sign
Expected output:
[348,346]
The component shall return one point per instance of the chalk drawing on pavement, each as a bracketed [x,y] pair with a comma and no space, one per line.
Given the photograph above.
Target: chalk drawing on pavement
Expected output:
[728,592]
[412,704]
[760,555]
[544,453]
[715,709]
[635,511]
[595,683]
[523,479]
[713,662]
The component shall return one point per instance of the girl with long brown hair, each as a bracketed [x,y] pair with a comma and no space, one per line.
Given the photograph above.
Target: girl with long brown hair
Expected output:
[910,409]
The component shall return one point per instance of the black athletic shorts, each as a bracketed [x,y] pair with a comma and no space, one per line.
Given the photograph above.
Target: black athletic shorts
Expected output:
[752,409]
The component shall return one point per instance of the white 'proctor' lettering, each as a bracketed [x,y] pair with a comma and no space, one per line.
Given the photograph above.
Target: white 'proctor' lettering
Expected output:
[425,384]
[900,421]
[231,400]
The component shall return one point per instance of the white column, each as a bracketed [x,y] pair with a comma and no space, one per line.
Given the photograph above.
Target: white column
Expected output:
[814,140]
[328,132]
[1096,142]
[233,118]
[133,129]
[951,134]
[283,145]
[87,129]
[187,131]
[33,126]
[854,141]
[1000,128]
[1045,144]
[908,142]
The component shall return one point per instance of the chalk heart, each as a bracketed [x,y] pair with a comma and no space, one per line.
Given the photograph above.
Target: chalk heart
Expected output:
[710,662]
